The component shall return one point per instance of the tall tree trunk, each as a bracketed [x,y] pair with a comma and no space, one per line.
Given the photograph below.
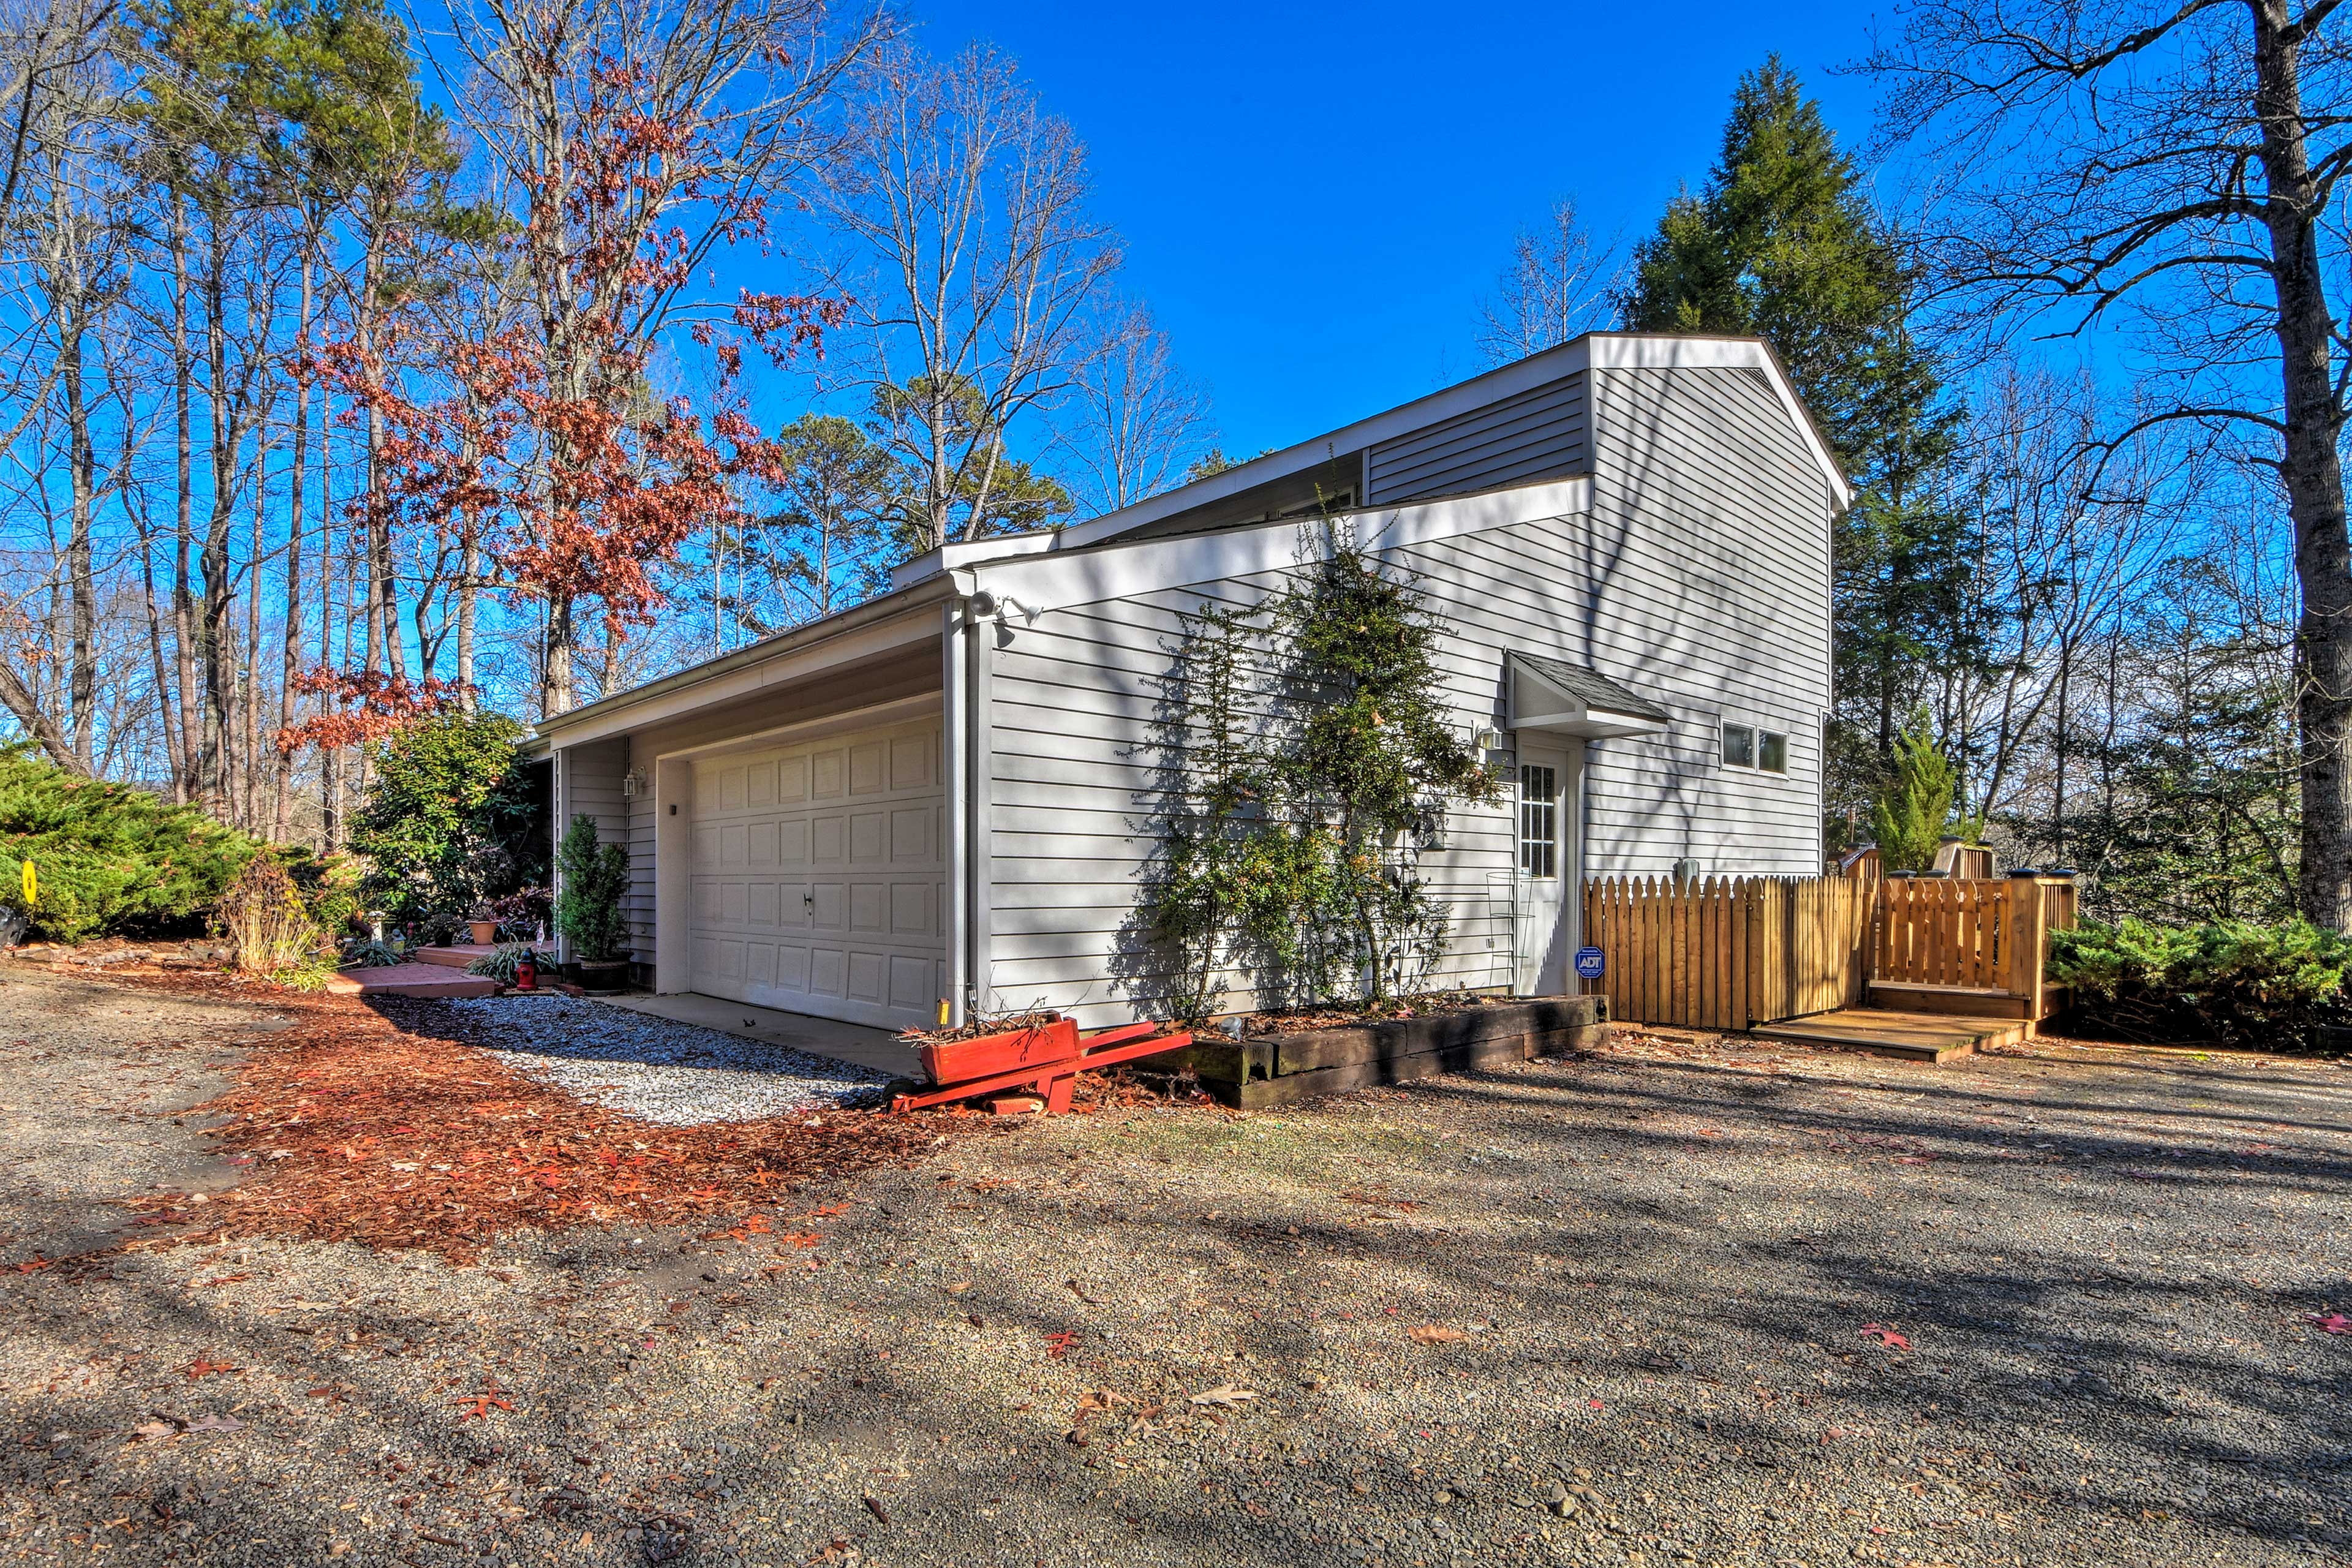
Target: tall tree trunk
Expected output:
[561,644]
[2310,470]
[332,606]
[82,676]
[470,566]
[215,636]
[187,781]
[281,800]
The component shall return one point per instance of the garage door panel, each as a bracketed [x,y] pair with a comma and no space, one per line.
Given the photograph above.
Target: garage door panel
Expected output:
[829,774]
[864,939]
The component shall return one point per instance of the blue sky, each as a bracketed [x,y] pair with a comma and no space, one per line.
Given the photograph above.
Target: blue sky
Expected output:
[1315,198]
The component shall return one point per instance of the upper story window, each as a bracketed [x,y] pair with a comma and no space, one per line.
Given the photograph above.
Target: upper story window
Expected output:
[1746,746]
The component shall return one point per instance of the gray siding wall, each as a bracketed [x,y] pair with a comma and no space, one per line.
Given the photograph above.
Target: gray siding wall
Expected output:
[1709,570]
[592,785]
[1701,579]
[1538,435]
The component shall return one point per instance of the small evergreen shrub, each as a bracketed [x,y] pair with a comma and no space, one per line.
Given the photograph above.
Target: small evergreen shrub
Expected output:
[594,877]
[1909,815]
[2232,982]
[370,954]
[109,860]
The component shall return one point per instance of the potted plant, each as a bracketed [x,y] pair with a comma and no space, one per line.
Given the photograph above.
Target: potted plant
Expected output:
[484,925]
[588,909]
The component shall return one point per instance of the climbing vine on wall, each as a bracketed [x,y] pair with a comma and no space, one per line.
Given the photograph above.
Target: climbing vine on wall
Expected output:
[1315,757]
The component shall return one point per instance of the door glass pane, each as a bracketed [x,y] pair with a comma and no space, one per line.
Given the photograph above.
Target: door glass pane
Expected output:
[1539,821]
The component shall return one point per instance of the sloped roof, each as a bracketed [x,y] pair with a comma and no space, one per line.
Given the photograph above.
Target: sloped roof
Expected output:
[1589,687]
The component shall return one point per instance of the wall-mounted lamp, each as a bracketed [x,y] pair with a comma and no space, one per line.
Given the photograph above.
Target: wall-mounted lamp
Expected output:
[632,785]
[1487,738]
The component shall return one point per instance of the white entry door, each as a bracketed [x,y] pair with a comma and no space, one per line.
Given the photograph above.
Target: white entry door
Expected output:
[1547,874]
[820,880]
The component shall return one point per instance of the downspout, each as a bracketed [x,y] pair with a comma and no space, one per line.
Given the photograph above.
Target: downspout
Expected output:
[955,759]
[968,748]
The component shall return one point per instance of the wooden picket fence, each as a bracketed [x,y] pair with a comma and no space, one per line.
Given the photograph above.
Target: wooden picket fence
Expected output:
[1727,953]
[1724,952]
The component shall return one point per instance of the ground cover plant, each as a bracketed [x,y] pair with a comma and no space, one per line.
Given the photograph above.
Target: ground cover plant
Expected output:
[2233,981]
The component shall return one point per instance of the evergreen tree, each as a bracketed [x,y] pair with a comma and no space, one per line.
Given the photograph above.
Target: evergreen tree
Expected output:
[1783,244]
[1909,815]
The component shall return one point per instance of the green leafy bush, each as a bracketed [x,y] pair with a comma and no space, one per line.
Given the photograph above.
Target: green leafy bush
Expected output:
[451,821]
[1908,817]
[501,964]
[594,877]
[109,860]
[2232,981]
[370,954]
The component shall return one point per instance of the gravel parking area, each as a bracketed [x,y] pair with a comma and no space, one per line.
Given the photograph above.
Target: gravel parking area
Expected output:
[670,1074]
[1678,1301]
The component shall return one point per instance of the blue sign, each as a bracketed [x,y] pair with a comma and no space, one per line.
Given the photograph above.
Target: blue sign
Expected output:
[1590,963]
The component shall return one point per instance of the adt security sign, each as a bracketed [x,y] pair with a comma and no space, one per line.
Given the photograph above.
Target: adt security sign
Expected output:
[1590,963]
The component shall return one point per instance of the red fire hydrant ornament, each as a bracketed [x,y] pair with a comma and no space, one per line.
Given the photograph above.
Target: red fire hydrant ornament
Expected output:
[526,973]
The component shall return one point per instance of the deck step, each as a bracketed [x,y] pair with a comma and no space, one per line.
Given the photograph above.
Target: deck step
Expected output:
[412,979]
[455,956]
[1930,1037]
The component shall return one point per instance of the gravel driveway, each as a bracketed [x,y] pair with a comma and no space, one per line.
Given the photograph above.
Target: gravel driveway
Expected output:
[1676,1302]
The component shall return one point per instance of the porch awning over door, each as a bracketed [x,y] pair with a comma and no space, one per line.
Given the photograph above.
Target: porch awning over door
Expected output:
[1566,699]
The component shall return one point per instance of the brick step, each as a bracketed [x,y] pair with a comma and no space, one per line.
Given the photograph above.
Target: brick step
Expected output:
[412,979]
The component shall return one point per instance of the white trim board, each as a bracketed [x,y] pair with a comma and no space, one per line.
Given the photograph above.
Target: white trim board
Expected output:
[1030,586]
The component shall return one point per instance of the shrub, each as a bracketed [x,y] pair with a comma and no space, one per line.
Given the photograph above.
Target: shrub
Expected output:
[269,930]
[110,859]
[594,877]
[1908,817]
[370,954]
[501,964]
[451,821]
[2232,981]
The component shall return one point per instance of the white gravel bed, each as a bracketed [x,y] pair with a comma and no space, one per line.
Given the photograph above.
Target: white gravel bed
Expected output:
[678,1075]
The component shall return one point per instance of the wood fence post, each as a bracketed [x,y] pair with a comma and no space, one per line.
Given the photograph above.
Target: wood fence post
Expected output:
[2026,929]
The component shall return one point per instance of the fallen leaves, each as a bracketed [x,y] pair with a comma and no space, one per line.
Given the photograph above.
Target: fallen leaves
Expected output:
[491,1398]
[1886,1336]
[1434,1334]
[1057,1345]
[204,1366]
[2329,1322]
[389,1128]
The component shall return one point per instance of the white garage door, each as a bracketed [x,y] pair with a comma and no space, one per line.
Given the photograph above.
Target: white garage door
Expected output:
[819,881]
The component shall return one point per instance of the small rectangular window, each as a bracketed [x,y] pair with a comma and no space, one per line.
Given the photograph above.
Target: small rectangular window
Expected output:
[1539,821]
[1771,752]
[1738,746]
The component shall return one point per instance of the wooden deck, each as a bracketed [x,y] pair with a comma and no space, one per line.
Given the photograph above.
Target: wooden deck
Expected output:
[1911,1037]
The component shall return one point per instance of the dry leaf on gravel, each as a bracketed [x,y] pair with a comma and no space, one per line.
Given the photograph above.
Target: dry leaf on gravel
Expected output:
[216,1424]
[1434,1334]
[1224,1394]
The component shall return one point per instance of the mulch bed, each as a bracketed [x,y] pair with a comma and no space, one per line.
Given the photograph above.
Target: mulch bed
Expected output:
[355,1129]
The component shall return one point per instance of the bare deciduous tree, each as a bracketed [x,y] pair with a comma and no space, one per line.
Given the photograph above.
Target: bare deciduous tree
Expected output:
[1132,421]
[2171,168]
[968,203]
[1559,284]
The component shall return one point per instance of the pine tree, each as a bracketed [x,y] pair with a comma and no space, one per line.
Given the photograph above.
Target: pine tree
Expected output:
[1782,243]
